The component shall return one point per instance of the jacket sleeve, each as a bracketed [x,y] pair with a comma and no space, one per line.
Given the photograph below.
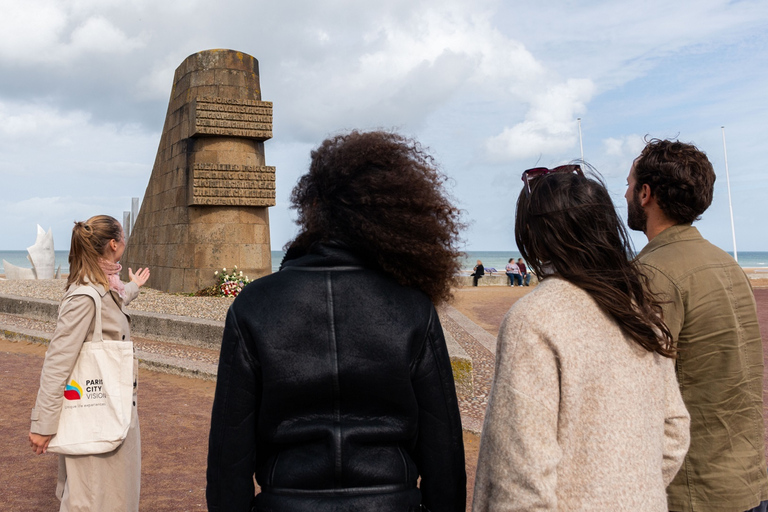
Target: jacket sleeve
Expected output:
[76,315]
[131,292]
[232,440]
[677,425]
[440,445]
[519,449]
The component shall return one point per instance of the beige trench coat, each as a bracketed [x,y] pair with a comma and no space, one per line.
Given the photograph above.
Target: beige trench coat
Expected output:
[109,481]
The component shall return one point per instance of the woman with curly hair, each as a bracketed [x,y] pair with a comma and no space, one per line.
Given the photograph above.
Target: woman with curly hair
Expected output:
[584,412]
[335,388]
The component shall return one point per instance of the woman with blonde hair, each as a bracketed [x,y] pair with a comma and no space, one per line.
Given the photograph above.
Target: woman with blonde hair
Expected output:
[108,481]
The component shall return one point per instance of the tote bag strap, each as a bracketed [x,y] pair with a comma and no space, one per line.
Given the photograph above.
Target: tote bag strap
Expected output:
[98,335]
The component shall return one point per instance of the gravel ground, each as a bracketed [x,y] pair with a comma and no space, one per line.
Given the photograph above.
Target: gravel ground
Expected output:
[153,301]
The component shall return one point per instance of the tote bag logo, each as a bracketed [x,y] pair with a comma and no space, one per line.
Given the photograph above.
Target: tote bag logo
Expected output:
[94,389]
[73,391]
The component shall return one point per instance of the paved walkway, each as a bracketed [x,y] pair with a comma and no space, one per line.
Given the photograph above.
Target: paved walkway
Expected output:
[175,412]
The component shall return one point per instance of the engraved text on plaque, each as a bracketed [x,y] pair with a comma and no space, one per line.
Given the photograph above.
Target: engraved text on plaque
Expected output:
[232,185]
[232,118]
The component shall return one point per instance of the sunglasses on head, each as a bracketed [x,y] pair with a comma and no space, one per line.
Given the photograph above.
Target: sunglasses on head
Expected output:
[536,172]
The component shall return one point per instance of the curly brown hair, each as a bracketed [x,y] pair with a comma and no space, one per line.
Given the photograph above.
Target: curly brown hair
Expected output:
[681,178]
[381,195]
[568,227]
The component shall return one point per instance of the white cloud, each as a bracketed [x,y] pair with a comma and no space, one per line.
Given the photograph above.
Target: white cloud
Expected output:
[549,126]
[157,82]
[55,33]
[48,153]
[99,35]
[29,29]
[18,122]
[616,42]
[399,67]
[628,146]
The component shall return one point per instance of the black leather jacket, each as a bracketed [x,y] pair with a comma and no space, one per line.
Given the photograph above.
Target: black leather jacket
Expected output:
[335,389]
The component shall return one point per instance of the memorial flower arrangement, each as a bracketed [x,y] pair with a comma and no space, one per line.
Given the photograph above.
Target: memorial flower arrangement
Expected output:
[231,284]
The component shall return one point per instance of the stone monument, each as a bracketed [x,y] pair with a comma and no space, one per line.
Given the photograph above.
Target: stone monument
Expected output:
[205,206]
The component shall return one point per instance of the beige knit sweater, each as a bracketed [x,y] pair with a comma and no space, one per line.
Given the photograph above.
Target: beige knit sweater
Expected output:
[580,417]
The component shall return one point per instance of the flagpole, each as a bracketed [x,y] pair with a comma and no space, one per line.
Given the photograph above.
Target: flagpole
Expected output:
[581,145]
[730,203]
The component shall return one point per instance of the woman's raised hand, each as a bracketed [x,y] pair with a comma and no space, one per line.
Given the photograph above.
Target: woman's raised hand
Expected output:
[140,277]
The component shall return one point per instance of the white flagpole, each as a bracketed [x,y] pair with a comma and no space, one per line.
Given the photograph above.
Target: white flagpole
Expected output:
[730,203]
[581,145]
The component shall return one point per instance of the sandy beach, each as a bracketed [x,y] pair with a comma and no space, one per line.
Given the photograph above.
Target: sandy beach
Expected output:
[758,277]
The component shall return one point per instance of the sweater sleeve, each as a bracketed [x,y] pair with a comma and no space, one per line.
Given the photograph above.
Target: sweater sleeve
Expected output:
[234,419]
[76,316]
[440,445]
[519,450]
[677,423]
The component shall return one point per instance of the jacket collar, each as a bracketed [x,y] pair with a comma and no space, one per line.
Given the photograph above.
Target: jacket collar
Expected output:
[324,255]
[102,291]
[676,233]
[86,282]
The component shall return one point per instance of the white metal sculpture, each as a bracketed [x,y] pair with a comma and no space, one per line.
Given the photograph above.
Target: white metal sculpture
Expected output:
[42,257]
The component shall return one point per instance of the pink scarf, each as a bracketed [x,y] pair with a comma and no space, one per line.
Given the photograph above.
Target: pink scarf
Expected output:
[112,270]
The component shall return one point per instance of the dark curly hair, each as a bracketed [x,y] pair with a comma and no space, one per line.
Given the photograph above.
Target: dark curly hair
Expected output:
[568,227]
[382,196]
[681,178]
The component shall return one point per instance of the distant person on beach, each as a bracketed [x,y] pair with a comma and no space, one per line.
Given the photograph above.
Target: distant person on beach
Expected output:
[335,386]
[513,272]
[109,481]
[524,272]
[584,411]
[710,311]
[477,272]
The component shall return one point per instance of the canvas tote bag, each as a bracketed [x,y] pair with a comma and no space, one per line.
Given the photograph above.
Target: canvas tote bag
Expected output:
[97,401]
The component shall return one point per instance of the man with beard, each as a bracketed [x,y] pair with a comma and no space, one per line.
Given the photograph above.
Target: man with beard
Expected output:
[710,311]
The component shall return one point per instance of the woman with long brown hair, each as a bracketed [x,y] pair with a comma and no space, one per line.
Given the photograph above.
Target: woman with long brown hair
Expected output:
[108,481]
[584,412]
[335,388]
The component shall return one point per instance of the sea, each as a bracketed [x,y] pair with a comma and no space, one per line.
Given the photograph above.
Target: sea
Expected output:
[490,259]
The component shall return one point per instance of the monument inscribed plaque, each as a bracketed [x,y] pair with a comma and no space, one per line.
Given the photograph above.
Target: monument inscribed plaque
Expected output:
[235,118]
[224,184]
[206,203]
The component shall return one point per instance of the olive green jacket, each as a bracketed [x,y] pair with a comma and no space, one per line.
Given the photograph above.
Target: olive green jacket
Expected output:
[711,313]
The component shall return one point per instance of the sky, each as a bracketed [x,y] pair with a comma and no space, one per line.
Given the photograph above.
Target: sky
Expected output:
[490,87]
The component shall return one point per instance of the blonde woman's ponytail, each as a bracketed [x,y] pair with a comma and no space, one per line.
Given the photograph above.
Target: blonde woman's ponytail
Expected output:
[89,243]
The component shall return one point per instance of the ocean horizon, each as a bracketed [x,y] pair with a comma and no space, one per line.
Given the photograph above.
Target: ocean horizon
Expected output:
[490,259]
